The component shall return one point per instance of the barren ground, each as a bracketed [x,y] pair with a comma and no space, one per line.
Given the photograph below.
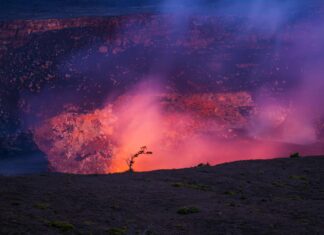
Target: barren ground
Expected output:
[282,196]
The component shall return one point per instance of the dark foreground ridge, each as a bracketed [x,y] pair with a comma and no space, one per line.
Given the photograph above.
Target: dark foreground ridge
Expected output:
[282,196]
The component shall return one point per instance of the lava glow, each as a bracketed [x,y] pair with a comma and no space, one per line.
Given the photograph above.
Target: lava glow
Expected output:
[182,131]
[239,81]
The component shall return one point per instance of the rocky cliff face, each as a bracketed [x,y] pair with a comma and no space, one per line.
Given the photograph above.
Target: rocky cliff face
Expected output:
[101,54]
[15,33]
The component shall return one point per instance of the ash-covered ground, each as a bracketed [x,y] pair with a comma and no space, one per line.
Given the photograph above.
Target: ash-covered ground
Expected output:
[282,196]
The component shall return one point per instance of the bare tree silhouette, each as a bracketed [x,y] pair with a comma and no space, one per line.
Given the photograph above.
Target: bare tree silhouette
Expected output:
[131,161]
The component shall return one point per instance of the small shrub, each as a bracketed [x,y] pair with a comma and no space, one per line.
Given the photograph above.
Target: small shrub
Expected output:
[41,206]
[61,225]
[243,198]
[88,222]
[117,231]
[131,161]
[180,227]
[295,155]
[303,221]
[230,193]
[195,186]
[298,177]
[178,185]
[278,184]
[203,164]
[295,198]
[115,207]
[149,232]
[15,203]
[231,204]
[187,210]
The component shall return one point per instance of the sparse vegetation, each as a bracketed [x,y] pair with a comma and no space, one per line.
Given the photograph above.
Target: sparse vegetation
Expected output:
[149,232]
[230,193]
[295,198]
[117,231]
[41,206]
[295,155]
[188,210]
[89,222]
[298,177]
[180,227]
[115,207]
[131,161]
[61,225]
[195,186]
[203,164]
[231,204]
[15,203]
[278,184]
[168,202]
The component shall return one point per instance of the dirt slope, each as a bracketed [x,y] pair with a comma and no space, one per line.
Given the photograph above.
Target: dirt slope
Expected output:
[283,196]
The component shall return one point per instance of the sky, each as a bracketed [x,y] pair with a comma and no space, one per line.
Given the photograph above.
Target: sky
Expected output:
[11,9]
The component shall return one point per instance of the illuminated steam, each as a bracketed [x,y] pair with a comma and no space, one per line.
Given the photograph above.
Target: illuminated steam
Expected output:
[220,118]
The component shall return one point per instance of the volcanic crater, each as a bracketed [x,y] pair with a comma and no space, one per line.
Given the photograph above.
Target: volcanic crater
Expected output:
[92,90]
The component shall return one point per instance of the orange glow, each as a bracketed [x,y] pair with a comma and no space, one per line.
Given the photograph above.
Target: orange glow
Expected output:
[182,131]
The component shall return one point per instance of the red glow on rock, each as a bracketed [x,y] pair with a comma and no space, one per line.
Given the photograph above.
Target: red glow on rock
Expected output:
[181,130]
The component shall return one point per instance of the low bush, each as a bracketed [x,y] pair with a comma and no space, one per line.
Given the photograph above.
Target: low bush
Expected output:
[188,210]
[295,155]
[117,231]
[61,225]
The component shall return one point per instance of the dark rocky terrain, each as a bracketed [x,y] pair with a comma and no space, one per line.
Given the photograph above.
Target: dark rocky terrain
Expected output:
[281,196]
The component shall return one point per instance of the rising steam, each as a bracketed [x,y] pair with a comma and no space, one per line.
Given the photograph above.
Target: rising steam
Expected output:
[272,119]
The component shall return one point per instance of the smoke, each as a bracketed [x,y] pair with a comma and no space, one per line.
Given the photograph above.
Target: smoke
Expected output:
[180,139]
[140,122]
[264,16]
[179,136]
[305,54]
[275,117]
[267,17]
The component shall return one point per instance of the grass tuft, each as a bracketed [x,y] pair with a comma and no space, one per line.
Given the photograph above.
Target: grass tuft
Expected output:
[188,210]
[203,164]
[195,186]
[295,155]
[42,206]
[230,193]
[116,231]
[298,177]
[61,225]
